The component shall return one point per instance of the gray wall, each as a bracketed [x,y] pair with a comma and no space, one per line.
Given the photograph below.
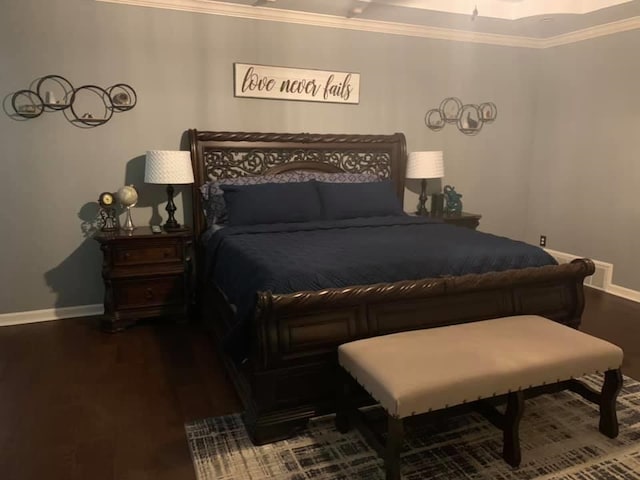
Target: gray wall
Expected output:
[181,66]
[585,172]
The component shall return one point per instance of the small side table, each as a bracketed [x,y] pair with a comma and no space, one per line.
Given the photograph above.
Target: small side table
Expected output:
[468,220]
[145,275]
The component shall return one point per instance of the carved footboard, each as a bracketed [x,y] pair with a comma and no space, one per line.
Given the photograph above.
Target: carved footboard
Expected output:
[290,375]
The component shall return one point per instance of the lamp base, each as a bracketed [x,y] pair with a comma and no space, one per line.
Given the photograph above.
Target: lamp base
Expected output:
[172,227]
[422,199]
[171,223]
[175,228]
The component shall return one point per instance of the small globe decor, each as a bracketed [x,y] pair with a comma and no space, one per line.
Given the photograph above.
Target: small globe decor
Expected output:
[127,197]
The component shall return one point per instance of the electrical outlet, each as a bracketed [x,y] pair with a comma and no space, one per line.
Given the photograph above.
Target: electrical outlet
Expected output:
[543,240]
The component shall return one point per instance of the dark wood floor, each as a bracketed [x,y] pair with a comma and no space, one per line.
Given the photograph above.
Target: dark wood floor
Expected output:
[76,403]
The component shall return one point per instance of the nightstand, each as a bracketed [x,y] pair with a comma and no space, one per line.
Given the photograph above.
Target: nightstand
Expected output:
[145,275]
[468,220]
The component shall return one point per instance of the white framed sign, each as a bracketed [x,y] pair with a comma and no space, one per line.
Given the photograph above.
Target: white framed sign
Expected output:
[282,83]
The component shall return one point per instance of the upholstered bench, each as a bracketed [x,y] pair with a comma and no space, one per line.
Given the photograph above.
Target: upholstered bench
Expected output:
[423,371]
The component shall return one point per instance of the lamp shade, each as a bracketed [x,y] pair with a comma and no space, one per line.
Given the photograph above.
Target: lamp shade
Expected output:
[168,167]
[425,165]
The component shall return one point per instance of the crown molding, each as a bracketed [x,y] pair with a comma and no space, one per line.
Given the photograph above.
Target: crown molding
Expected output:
[330,21]
[597,31]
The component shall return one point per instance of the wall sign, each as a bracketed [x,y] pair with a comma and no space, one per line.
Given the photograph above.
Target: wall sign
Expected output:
[263,81]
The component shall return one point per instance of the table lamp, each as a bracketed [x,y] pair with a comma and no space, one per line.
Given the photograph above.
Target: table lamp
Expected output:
[170,168]
[424,165]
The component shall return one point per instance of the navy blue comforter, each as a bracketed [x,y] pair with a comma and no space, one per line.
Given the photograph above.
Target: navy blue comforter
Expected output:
[286,258]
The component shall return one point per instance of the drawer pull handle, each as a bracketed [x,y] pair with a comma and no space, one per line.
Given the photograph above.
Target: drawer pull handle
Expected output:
[127,254]
[166,254]
[149,293]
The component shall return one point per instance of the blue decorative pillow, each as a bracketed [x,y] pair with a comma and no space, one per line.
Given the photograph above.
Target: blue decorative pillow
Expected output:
[214,206]
[353,200]
[213,200]
[272,203]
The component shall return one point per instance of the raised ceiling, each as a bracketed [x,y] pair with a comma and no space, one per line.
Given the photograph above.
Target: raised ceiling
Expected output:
[505,9]
[522,23]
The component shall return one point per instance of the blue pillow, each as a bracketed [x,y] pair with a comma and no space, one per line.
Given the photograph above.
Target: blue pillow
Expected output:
[272,203]
[215,209]
[353,200]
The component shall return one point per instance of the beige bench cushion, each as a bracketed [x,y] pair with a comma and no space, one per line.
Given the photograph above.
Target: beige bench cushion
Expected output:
[422,370]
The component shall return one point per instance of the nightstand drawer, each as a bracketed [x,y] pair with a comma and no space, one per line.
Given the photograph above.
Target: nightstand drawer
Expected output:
[132,255]
[148,292]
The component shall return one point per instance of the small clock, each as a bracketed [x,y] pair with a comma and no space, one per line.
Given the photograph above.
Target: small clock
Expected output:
[108,219]
[106,199]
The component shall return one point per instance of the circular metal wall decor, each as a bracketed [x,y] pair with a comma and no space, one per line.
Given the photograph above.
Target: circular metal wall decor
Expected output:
[433,119]
[470,122]
[122,96]
[86,106]
[468,118]
[27,104]
[488,112]
[91,106]
[450,109]
[55,91]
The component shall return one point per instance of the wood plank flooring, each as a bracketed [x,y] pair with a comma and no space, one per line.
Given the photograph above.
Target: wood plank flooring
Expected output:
[76,403]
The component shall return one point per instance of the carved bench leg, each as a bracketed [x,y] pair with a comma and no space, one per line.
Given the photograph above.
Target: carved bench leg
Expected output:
[608,415]
[511,428]
[395,437]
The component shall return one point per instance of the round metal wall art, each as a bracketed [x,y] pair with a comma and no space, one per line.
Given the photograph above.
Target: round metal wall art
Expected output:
[488,111]
[450,109]
[55,93]
[122,96]
[27,104]
[469,121]
[91,95]
[433,119]
[468,118]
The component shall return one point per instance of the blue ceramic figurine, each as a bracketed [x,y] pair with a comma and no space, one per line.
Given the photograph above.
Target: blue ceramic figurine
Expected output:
[452,198]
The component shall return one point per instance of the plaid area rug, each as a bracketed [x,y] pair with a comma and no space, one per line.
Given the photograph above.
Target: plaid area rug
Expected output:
[558,433]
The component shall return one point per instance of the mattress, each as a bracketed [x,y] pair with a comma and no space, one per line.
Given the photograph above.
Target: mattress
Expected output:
[292,257]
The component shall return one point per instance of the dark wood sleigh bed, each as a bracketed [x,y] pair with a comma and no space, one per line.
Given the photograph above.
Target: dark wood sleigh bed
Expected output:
[289,375]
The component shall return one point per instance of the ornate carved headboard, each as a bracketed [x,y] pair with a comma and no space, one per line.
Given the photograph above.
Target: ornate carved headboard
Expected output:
[218,155]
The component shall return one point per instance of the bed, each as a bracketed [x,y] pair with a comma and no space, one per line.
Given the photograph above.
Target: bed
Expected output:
[284,371]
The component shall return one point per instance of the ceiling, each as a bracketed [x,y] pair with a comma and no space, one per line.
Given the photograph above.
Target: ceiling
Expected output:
[517,23]
[431,13]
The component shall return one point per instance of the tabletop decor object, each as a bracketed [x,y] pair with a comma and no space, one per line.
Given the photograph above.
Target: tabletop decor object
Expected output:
[424,165]
[108,220]
[128,197]
[452,198]
[169,167]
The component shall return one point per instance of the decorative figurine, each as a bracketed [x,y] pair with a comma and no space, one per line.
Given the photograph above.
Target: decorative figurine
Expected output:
[452,198]
[121,98]
[108,220]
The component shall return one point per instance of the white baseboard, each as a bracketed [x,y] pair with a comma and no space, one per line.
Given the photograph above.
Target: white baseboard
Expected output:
[602,279]
[623,292]
[35,316]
